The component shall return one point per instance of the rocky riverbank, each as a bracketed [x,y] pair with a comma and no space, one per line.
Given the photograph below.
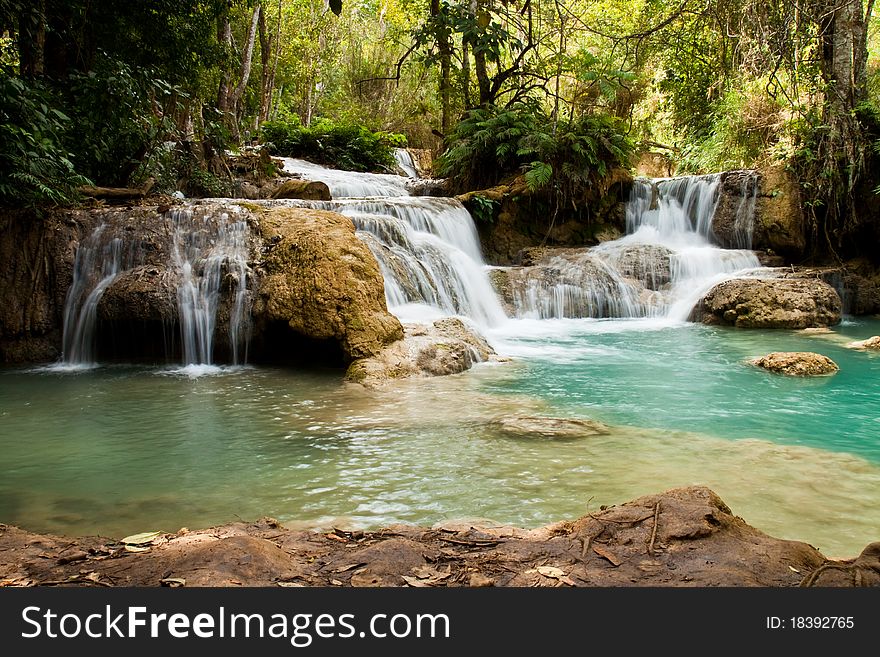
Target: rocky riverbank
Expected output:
[682,537]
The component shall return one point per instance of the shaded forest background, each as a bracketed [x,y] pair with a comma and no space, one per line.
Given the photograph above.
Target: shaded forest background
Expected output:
[557,91]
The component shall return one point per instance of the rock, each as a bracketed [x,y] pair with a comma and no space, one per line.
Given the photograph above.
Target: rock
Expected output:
[779,215]
[142,294]
[303,189]
[322,283]
[796,363]
[765,204]
[531,426]
[733,220]
[870,343]
[647,263]
[423,159]
[448,346]
[770,303]
[429,187]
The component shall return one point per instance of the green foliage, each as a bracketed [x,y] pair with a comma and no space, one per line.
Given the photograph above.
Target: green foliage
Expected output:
[491,144]
[745,126]
[116,107]
[344,146]
[35,167]
[481,208]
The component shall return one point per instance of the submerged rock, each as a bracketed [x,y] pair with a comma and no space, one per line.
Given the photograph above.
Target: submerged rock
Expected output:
[796,363]
[770,303]
[870,343]
[533,426]
[448,346]
[321,282]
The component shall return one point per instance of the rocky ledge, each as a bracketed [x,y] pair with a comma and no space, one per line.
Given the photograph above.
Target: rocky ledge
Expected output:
[682,537]
[770,303]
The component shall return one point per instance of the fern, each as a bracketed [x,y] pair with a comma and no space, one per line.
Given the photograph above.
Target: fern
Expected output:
[538,175]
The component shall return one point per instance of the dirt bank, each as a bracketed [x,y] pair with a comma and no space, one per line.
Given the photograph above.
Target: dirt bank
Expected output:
[682,537]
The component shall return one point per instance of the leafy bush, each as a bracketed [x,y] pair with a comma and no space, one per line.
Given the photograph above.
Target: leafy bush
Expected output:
[344,146]
[35,168]
[491,144]
[114,107]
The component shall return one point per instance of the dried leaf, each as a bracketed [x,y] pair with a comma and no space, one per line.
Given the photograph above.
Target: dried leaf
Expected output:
[141,539]
[291,584]
[605,554]
[350,566]
[135,548]
[335,582]
[415,581]
[794,570]
[551,571]
[173,582]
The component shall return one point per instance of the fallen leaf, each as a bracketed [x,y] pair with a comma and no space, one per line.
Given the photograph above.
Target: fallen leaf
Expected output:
[415,581]
[135,548]
[551,571]
[141,539]
[173,582]
[291,584]
[794,570]
[605,554]
[335,582]
[350,566]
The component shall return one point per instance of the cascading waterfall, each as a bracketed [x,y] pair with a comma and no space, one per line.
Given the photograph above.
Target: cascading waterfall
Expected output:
[405,161]
[209,252]
[659,269]
[202,246]
[427,247]
[99,260]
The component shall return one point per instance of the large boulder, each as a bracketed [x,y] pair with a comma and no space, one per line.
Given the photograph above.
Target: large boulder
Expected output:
[770,303]
[448,346]
[310,190]
[796,363]
[142,294]
[321,282]
[760,210]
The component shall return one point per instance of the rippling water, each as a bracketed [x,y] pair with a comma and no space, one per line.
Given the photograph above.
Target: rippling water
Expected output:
[116,450]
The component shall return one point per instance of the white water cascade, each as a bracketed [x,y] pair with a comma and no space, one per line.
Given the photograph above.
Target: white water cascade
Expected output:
[100,258]
[205,246]
[661,268]
[427,247]
[208,253]
[405,161]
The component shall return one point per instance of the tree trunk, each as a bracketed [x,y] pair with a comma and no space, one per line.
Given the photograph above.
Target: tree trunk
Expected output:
[270,69]
[32,39]
[224,36]
[445,48]
[247,59]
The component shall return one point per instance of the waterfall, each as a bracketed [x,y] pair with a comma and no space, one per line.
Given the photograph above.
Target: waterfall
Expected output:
[405,161]
[202,246]
[349,184]
[660,268]
[207,249]
[99,260]
[427,247]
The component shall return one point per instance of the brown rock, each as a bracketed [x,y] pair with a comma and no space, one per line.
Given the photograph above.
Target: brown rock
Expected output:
[870,343]
[796,363]
[303,189]
[322,282]
[558,428]
[770,303]
[448,346]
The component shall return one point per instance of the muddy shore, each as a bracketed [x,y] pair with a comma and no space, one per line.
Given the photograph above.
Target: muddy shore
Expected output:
[681,537]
